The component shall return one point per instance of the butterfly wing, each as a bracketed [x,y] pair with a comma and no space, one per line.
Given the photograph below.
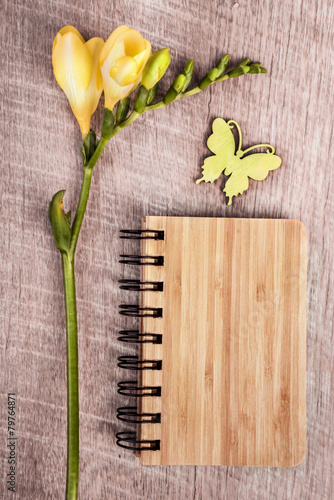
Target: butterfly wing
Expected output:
[221,143]
[236,184]
[256,166]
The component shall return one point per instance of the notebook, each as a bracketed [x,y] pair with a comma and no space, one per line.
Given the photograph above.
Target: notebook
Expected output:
[222,342]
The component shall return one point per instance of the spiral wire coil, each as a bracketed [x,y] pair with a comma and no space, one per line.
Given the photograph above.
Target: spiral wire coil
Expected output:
[131,388]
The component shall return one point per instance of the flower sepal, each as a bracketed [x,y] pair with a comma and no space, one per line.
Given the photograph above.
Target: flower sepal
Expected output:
[60,222]
[152,93]
[88,146]
[141,99]
[122,111]
[108,122]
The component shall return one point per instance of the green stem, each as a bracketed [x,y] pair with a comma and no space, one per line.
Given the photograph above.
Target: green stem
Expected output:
[161,104]
[71,333]
[97,153]
[134,115]
[158,105]
[84,193]
[72,379]
[79,215]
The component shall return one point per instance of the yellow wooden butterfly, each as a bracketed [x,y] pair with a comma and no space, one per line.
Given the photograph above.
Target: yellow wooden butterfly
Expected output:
[256,166]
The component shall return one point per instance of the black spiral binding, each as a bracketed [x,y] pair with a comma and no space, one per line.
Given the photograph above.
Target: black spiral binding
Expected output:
[144,234]
[128,440]
[140,312]
[142,260]
[141,286]
[131,388]
[133,363]
[134,337]
[130,414]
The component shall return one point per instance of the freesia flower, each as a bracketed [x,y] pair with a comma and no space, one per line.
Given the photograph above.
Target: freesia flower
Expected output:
[77,71]
[122,61]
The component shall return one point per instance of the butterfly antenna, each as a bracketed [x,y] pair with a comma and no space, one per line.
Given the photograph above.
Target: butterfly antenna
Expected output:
[232,124]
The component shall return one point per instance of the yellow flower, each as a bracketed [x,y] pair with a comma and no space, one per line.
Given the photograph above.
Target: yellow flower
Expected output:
[122,61]
[77,71]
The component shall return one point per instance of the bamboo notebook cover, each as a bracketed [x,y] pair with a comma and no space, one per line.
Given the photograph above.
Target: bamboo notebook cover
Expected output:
[233,326]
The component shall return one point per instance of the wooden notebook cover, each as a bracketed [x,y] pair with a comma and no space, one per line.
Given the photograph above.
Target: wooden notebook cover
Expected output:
[234,342]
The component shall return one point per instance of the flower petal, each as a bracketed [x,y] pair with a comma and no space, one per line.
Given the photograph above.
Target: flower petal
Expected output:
[122,60]
[72,63]
[95,45]
[146,58]
[110,42]
[125,70]
[68,29]
[134,43]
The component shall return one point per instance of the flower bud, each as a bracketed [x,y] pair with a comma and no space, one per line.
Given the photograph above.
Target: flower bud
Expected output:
[257,68]
[238,71]
[122,61]
[175,89]
[208,79]
[222,65]
[245,62]
[188,72]
[155,68]
[76,68]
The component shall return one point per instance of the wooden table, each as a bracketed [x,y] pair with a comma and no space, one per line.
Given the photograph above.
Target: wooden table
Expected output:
[151,168]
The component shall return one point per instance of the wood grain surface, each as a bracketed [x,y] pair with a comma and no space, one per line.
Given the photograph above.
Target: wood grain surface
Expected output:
[150,169]
[233,352]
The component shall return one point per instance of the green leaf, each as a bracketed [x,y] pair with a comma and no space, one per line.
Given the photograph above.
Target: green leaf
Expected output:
[60,222]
